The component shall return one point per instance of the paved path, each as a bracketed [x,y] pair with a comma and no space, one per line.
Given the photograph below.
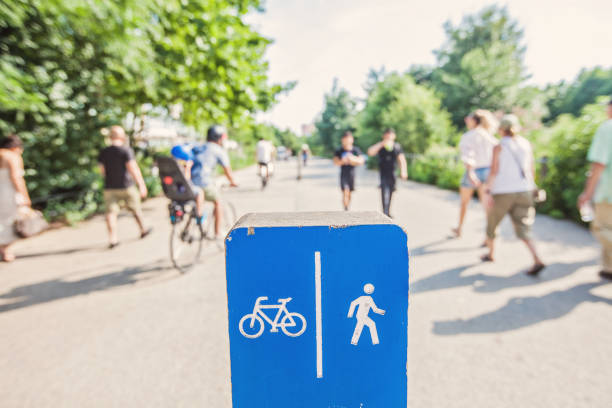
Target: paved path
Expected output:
[82,326]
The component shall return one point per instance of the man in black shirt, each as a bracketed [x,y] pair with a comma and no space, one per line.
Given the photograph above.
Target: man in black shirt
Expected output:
[347,157]
[389,154]
[119,168]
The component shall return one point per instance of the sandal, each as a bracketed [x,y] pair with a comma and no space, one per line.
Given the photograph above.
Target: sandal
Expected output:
[486,258]
[456,232]
[535,269]
[146,232]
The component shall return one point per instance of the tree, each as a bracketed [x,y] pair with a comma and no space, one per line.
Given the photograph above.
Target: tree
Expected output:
[422,74]
[69,68]
[338,116]
[481,63]
[211,61]
[412,110]
[60,62]
[584,90]
[566,144]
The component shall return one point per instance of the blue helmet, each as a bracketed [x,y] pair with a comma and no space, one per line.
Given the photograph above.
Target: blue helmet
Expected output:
[182,152]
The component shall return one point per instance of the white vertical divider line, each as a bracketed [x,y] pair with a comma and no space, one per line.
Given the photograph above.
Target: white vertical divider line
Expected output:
[319,333]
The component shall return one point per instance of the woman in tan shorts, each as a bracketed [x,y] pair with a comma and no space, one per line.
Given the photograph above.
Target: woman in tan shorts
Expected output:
[510,187]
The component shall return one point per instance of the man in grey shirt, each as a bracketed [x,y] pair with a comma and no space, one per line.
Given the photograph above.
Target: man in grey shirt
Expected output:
[206,157]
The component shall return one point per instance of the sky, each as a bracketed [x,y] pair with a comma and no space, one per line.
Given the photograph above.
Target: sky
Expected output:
[316,41]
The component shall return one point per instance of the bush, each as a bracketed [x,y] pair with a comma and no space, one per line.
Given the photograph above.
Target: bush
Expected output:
[440,166]
[565,145]
[414,111]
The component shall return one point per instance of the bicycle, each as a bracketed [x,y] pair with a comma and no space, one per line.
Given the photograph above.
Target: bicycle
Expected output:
[265,171]
[187,237]
[289,319]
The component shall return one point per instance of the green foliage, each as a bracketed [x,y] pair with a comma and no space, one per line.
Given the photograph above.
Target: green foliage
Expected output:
[566,144]
[440,166]
[211,61]
[481,64]
[338,116]
[571,98]
[414,111]
[69,68]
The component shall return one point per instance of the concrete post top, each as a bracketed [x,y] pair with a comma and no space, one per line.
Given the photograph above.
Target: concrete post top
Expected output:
[337,219]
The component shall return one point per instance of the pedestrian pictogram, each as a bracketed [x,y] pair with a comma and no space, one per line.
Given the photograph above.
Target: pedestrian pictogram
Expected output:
[364,304]
[291,323]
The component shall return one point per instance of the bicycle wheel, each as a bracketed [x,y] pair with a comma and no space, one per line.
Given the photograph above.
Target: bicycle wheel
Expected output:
[186,243]
[228,219]
[299,324]
[255,328]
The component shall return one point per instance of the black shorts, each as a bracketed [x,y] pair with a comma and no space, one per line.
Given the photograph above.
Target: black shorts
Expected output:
[347,182]
[263,164]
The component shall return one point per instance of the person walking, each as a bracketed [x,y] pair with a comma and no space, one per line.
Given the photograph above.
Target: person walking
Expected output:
[13,192]
[476,147]
[348,156]
[305,153]
[511,185]
[120,170]
[389,153]
[598,188]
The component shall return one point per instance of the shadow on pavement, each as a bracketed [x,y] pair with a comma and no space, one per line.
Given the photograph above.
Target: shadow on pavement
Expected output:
[67,251]
[56,289]
[522,312]
[452,278]
[427,249]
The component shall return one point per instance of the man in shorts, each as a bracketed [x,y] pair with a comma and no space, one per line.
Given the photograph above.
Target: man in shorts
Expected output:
[389,154]
[599,189]
[264,150]
[206,157]
[119,168]
[348,156]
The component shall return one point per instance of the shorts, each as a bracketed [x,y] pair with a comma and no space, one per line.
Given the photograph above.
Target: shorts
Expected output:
[347,182]
[482,174]
[521,209]
[211,193]
[263,163]
[115,198]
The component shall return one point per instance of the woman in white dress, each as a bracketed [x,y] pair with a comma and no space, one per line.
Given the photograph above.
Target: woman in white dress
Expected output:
[476,148]
[13,192]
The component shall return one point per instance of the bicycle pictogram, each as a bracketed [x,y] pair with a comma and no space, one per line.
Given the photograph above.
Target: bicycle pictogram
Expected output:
[291,323]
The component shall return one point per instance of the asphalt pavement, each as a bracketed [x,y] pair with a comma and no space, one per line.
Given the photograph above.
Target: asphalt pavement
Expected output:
[84,326]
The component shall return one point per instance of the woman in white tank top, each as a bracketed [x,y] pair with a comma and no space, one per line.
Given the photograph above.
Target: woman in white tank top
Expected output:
[511,185]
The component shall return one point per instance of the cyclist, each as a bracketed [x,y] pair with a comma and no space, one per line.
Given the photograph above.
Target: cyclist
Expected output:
[264,150]
[184,155]
[202,163]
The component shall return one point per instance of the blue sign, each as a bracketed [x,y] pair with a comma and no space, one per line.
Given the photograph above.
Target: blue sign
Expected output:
[318,311]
